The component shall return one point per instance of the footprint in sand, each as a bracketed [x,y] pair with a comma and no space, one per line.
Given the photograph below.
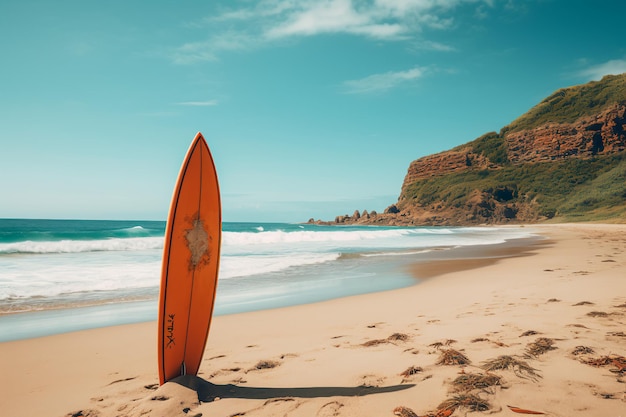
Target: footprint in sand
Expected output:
[84,413]
[215,357]
[330,409]
[371,380]
[123,380]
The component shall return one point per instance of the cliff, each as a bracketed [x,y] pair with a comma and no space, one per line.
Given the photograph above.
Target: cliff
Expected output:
[564,159]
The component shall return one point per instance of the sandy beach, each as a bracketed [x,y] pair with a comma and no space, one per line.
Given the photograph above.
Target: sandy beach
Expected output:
[541,329]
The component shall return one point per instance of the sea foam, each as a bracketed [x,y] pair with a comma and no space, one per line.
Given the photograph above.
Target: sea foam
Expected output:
[80,246]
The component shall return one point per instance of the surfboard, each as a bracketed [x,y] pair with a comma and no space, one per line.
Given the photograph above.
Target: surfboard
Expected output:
[190,266]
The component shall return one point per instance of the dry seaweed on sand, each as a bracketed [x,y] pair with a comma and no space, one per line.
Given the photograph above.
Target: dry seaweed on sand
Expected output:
[470,401]
[529,333]
[521,368]
[452,357]
[601,361]
[597,314]
[582,350]
[620,363]
[84,413]
[539,347]
[469,382]
[523,410]
[404,412]
[412,370]
[398,337]
[374,342]
[440,413]
[615,360]
[265,364]
[439,345]
[436,345]
[479,339]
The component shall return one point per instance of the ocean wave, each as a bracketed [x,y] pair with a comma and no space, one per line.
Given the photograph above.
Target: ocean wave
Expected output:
[79,246]
[86,276]
[304,236]
[241,266]
[399,253]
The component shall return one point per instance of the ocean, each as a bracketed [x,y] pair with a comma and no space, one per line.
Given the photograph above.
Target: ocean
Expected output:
[64,275]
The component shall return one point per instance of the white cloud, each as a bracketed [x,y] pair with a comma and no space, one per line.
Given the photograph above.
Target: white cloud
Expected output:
[334,16]
[269,21]
[431,46]
[193,52]
[596,72]
[206,103]
[383,82]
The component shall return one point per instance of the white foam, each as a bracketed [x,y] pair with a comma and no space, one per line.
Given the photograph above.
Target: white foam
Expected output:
[240,266]
[49,278]
[279,236]
[80,246]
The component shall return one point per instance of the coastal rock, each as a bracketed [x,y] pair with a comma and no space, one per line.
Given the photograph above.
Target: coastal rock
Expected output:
[392,209]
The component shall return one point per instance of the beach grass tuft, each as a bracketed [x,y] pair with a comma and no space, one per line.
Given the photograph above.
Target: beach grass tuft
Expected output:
[452,357]
[506,362]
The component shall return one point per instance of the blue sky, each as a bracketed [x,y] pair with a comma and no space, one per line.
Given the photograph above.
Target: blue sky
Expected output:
[310,108]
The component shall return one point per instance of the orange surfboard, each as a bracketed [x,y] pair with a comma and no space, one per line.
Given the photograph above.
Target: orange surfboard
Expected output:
[190,265]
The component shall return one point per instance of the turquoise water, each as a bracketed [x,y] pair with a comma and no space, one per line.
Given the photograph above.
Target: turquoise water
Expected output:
[64,275]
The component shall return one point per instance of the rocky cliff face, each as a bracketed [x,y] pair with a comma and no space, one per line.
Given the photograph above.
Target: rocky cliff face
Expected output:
[603,133]
[444,163]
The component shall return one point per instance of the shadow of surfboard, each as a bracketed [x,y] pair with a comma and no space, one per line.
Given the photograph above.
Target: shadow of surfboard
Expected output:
[208,391]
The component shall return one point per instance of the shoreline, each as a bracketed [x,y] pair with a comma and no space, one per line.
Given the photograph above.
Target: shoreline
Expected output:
[320,358]
[416,268]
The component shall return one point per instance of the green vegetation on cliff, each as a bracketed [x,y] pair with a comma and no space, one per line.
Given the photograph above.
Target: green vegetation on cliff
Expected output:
[492,146]
[569,104]
[573,189]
